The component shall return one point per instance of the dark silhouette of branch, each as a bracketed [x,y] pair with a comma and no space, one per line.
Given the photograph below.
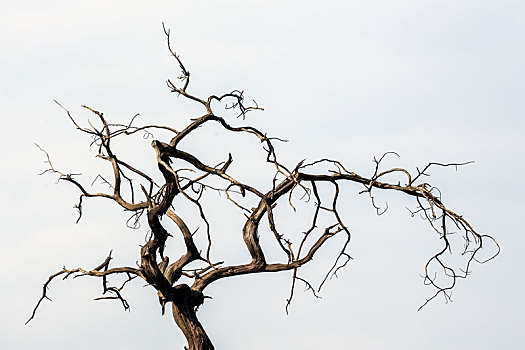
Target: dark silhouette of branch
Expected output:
[186,176]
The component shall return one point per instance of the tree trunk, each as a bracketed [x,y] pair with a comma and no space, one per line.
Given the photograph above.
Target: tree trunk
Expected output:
[185,316]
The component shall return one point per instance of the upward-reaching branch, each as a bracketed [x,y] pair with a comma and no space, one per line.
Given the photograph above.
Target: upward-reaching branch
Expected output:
[186,176]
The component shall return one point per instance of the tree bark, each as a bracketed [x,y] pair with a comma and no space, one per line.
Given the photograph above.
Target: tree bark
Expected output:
[185,316]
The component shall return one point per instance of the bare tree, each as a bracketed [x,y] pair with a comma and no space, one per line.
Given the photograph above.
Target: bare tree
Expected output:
[186,177]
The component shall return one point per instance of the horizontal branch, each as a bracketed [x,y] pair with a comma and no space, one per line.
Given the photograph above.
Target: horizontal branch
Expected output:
[101,270]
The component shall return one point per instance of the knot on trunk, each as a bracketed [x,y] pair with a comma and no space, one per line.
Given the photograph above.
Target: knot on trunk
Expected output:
[184,295]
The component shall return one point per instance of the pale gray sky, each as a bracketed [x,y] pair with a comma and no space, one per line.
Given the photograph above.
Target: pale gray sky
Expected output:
[431,80]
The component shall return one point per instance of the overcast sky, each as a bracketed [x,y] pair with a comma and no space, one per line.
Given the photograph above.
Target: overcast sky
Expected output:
[432,80]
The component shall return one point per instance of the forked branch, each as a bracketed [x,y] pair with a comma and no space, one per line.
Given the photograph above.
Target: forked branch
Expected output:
[185,176]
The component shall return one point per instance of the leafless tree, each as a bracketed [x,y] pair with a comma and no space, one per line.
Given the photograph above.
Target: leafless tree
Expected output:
[185,176]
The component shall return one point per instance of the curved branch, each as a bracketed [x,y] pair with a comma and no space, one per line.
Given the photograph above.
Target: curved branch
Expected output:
[78,272]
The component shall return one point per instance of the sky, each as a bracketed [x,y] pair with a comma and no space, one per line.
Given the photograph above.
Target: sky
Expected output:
[431,80]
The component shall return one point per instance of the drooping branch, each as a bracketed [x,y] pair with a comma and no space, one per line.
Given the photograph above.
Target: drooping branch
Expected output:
[102,271]
[158,205]
[184,175]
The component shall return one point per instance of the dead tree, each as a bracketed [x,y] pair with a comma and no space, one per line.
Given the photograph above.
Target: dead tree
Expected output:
[186,176]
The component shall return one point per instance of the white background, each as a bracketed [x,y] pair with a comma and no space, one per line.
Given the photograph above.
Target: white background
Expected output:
[431,80]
